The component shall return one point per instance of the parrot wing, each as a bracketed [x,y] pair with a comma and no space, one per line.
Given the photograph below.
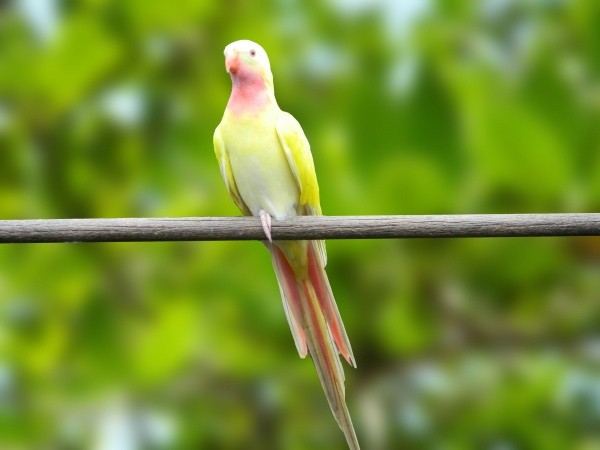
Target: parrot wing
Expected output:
[297,151]
[227,173]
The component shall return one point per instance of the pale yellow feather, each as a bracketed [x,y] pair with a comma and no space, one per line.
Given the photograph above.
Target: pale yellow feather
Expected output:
[227,173]
[297,151]
[261,171]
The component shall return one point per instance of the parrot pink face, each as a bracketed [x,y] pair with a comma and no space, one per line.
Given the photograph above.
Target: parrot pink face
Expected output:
[249,67]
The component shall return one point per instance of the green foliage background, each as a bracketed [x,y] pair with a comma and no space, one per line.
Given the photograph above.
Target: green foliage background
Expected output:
[107,109]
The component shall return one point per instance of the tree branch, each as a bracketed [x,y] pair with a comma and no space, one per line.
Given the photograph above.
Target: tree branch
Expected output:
[305,227]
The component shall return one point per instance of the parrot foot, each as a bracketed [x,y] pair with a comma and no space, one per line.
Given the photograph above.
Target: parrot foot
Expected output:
[265,220]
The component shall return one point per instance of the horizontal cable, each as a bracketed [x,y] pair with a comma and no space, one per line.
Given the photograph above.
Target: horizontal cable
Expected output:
[304,227]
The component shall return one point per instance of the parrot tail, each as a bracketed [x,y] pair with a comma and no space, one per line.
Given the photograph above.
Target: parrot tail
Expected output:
[317,329]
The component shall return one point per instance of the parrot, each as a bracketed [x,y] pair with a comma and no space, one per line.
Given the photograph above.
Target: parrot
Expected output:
[268,169]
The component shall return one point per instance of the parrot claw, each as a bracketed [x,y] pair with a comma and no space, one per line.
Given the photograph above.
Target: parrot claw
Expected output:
[265,221]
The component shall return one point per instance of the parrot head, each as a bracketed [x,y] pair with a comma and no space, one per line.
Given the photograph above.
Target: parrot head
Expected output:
[245,60]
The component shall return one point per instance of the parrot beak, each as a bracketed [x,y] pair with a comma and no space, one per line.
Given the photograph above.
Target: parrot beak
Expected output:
[232,62]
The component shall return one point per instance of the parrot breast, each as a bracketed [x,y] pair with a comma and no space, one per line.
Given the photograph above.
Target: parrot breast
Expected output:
[260,168]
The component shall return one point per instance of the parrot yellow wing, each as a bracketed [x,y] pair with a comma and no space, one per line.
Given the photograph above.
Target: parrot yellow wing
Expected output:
[227,173]
[297,151]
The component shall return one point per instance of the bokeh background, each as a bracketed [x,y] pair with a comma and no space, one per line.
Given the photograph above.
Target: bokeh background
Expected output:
[107,109]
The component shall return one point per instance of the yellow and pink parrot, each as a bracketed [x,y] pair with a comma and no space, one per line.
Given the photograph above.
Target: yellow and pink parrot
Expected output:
[268,169]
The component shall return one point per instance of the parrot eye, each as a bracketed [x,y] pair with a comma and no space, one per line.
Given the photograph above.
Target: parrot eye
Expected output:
[252,52]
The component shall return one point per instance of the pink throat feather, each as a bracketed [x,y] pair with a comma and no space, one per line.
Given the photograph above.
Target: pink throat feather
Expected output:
[249,93]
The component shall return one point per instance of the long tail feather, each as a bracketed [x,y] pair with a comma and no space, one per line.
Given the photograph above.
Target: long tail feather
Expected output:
[317,327]
[319,279]
[291,298]
[327,363]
